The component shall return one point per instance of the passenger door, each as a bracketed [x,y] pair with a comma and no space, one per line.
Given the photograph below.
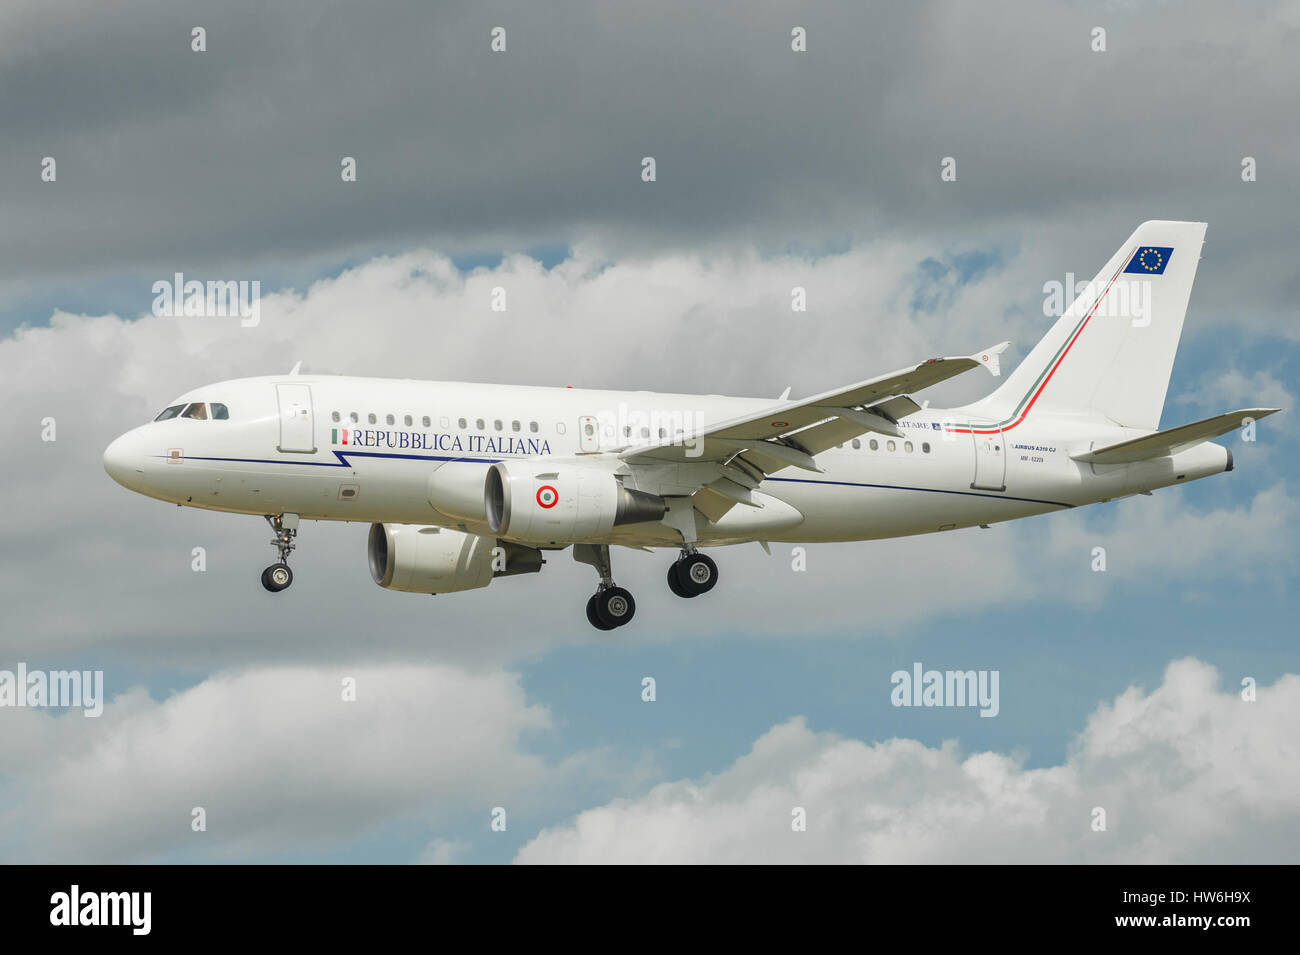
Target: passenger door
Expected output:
[990,462]
[297,426]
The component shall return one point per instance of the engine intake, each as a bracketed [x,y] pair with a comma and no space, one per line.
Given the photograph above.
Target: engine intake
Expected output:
[561,506]
[425,559]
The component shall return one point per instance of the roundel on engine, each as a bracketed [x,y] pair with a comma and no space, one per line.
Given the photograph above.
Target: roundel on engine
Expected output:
[571,503]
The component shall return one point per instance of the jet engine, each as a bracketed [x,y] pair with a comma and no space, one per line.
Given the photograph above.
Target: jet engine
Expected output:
[435,560]
[540,502]
[456,490]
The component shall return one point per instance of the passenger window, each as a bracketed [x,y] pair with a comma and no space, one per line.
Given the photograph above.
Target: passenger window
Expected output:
[169,413]
[220,412]
[425,421]
[334,416]
[355,417]
[198,411]
[925,447]
[389,419]
[497,424]
[891,446]
[559,427]
[857,445]
[907,446]
[461,423]
[875,445]
[514,426]
[479,423]
[408,421]
[371,417]
[446,422]
[532,426]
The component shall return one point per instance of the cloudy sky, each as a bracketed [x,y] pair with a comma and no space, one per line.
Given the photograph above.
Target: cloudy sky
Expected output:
[522,169]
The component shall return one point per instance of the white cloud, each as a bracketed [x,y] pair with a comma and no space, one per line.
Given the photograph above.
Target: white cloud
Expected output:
[275,757]
[1232,388]
[415,315]
[1160,539]
[444,851]
[1185,773]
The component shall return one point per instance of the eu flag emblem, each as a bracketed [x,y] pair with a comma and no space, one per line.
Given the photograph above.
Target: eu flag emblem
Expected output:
[1150,260]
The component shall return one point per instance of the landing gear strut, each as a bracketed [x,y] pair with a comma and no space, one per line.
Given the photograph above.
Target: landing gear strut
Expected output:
[610,606]
[278,576]
[692,574]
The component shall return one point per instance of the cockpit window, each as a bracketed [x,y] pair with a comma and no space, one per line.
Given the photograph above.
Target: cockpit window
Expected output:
[198,410]
[219,411]
[171,412]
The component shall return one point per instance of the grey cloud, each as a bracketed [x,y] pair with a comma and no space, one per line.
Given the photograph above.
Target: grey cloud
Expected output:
[223,159]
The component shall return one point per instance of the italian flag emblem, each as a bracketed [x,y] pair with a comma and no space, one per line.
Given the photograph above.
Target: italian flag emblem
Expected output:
[334,435]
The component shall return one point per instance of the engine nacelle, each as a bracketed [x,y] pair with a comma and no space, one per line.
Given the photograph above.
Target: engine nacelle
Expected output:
[527,500]
[424,559]
[456,490]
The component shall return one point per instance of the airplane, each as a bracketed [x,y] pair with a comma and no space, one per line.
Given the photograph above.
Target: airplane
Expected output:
[464,483]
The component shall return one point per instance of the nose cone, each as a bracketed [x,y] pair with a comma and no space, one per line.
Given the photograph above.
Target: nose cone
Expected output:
[122,463]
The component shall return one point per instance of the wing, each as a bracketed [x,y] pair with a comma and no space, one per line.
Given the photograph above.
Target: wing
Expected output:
[722,465]
[791,433]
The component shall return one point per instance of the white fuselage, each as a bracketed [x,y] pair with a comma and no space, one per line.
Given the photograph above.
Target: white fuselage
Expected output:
[364,449]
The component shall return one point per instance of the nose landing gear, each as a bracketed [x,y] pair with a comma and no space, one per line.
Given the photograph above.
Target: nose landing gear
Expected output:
[278,576]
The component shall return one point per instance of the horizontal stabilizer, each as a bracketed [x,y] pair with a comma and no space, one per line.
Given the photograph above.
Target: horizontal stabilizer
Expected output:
[1173,440]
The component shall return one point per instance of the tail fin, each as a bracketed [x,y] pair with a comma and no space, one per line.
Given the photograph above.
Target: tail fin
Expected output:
[1110,355]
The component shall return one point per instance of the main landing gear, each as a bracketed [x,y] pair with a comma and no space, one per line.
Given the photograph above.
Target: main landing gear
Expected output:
[610,606]
[692,574]
[278,576]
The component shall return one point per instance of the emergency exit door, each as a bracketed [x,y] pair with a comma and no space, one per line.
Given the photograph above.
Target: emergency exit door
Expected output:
[990,462]
[588,434]
[297,427]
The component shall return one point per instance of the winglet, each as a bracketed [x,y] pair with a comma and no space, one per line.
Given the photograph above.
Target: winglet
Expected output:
[989,358]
